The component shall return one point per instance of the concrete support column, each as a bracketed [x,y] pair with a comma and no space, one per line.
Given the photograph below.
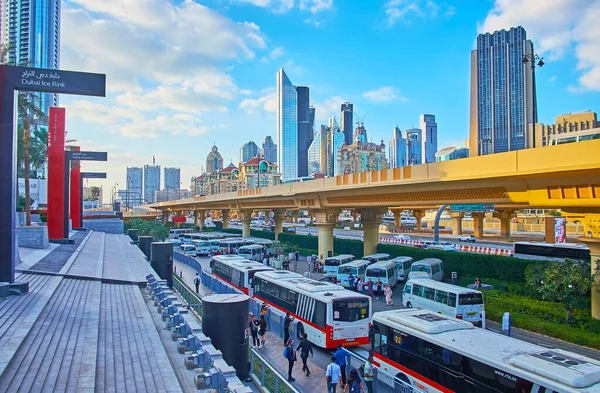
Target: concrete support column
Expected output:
[225,214]
[593,244]
[397,214]
[457,218]
[370,220]
[178,224]
[199,218]
[478,224]
[505,218]
[246,217]
[419,214]
[278,218]
[549,235]
[165,217]
[326,220]
[295,216]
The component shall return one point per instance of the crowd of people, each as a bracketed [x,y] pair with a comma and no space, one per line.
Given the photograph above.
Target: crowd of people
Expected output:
[375,290]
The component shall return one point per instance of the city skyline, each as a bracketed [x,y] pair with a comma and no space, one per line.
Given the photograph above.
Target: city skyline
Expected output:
[179,107]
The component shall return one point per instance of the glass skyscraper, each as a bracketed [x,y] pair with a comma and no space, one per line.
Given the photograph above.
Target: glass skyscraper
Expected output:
[172,179]
[397,149]
[503,101]
[151,182]
[346,119]
[133,187]
[269,150]
[248,151]
[31,31]
[414,146]
[429,127]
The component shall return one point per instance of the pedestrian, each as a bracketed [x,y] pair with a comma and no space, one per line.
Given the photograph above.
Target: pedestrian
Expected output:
[333,374]
[291,357]
[354,383]
[361,285]
[197,282]
[369,374]
[297,255]
[370,287]
[351,282]
[286,327]
[379,288]
[253,325]
[262,328]
[340,360]
[388,295]
[305,348]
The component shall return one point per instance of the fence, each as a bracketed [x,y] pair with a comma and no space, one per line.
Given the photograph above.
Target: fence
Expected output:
[268,378]
[188,295]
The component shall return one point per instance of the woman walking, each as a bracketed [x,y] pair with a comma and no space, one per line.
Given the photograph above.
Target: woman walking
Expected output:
[379,288]
[262,328]
[388,295]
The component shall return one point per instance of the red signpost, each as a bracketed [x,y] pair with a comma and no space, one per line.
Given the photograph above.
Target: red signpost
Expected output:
[75,192]
[56,173]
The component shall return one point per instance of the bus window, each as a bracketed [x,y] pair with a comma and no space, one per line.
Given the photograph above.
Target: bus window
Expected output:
[350,310]
[470,298]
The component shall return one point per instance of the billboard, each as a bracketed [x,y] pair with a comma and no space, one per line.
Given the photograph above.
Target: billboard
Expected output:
[38,191]
[560,230]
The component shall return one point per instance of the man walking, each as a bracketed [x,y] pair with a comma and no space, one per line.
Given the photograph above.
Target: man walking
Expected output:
[369,374]
[351,282]
[290,354]
[286,327]
[305,349]
[340,360]
[197,282]
[333,374]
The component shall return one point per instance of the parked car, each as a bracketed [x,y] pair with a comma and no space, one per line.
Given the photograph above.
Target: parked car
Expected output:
[428,243]
[467,238]
[402,236]
[441,246]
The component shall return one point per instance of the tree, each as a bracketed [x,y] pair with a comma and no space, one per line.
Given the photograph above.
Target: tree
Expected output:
[149,228]
[563,282]
[95,193]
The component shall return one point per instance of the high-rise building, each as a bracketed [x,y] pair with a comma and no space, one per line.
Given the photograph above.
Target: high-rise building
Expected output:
[503,98]
[414,146]
[172,178]
[214,160]
[305,129]
[339,139]
[269,150]
[346,119]
[361,156]
[134,195]
[569,127]
[287,127]
[397,149]
[248,151]
[31,31]
[311,117]
[451,153]
[429,127]
[317,152]
[151,182]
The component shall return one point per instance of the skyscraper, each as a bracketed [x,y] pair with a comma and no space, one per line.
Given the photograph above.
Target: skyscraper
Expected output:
[311,117]
[339,138]
[248,151]
[133,195]
[305,129]
[503,98]
[269,150]
[346,118]
[397,149]
[31,31]
[214,160]
[287,127]
[172,178]
[414,146]
[315,152]
[429,127]
[151,182]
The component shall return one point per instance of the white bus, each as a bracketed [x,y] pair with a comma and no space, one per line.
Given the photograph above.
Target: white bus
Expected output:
[331,264]
[186,238]
[328,313]
[202,246]
[236,270]
[229,244]
[384,271]
[357,268]
[432,266]
[403,265]
[253,252]
[441,354]
[550,251]
[376,257]
[176,232]
[188,249]
[459,302]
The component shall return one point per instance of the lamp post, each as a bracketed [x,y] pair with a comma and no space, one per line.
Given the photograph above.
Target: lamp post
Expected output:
[534,60]
[127,194]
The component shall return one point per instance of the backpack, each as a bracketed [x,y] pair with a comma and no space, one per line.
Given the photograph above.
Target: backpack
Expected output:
[361,370]
[285,352]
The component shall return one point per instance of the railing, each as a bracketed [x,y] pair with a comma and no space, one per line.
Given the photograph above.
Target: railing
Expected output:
[267,377]
[188,295]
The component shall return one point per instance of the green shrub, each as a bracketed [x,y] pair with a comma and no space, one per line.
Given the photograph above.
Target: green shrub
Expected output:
[348,246]
[300,241]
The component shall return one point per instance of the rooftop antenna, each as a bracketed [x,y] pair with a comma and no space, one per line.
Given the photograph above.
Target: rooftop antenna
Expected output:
[153,161]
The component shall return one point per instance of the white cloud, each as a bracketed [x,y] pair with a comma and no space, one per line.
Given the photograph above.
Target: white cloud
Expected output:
[316,6]
[552,79]
[314,22]
[383,94]
[396,10]
[283,6]
[555,27]
[274,54]
[93,112]
[328,108]
[179,124]
[267,102]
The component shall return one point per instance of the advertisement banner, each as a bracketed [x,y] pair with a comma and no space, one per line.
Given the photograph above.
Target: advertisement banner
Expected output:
[37,191]
[560,230]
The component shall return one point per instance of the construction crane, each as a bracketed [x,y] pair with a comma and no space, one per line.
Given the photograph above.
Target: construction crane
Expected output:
[360,121]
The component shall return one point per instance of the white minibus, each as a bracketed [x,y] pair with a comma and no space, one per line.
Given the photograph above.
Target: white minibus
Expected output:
[356,268]
[202,246]
[384,271]
[253,252]
[458,302]
[432,266]
[376,257]
[188,249]
[403,265]
[331,264]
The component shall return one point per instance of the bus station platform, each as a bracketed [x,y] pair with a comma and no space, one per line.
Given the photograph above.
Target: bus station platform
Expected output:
[86,324]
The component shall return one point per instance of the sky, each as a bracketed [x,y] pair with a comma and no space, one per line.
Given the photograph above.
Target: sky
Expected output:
[183,75]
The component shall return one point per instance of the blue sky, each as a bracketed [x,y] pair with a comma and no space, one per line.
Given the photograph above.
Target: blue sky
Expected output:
[183,75]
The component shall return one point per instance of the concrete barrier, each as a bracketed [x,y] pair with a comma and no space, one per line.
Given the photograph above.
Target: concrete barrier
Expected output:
[107,225]
[33,236]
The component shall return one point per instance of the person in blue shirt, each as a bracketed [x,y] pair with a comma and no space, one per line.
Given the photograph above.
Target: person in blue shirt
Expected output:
[291,357]
[351,282]
[333,374]
[340,360]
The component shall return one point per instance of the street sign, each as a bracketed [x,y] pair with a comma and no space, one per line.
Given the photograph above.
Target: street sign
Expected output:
[87,155]
[93,175]
[473,207]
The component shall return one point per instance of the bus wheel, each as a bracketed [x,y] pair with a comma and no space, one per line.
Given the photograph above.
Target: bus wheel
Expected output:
[300,330]
[408,305]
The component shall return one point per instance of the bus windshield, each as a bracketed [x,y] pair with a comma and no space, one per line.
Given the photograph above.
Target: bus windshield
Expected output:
[421,268]
[466,299]
[376,272]
[332,262]
[350,310]
[346,269]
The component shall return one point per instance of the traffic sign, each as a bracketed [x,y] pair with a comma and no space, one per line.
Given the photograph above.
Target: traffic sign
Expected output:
[473,207]
[93,175]
[87,155]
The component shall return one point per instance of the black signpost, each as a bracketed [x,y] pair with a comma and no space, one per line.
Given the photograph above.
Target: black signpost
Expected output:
[28,79]
[77,156]
[86,175]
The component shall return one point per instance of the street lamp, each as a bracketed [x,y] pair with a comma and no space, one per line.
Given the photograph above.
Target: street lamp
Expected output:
[530,57]
[127,193]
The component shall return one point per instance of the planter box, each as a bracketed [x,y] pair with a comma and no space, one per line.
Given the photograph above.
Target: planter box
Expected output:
[108,225]
[33,236]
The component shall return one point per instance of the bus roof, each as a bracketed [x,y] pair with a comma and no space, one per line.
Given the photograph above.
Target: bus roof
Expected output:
[427,261]
[341,256]
[228,257]
[401,259]
[251,247]
[356,262]
[427,282]
[378,255]
[382,264]
[570,371]
[559,245]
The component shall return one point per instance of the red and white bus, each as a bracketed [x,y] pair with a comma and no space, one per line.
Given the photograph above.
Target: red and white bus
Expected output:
[236,270]
[437,353]
[327,312]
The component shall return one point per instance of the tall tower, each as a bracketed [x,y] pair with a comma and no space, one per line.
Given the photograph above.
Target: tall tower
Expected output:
[429,127]
[172,178]
[397,149]
[151,182]
[414,146]
[347,125]
[33,36]
[503,98]
[269,150]
[305,129]
[287,128]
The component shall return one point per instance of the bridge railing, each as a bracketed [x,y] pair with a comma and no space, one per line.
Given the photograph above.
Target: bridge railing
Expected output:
[188,295]
[267,376]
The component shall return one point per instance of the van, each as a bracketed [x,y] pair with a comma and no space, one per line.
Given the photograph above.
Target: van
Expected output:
[432,266]
[458,302]
[331,264]
[356,268]
[384,271]
[253,252]
[403,265]
[376,257]
[188,249]
[202,247]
